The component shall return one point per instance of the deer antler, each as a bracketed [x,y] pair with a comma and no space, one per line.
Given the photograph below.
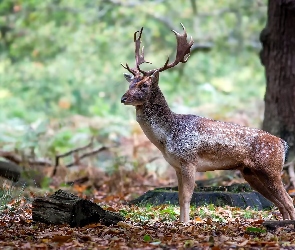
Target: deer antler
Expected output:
[183,50]
[182,54]
[132,71]
[139,55]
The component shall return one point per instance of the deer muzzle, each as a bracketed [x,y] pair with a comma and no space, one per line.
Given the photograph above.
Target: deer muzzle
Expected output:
[123,99]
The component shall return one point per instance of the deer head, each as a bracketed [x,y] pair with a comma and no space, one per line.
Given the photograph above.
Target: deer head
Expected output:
[141,82]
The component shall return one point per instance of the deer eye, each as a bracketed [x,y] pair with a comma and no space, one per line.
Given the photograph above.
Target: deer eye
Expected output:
[144,85]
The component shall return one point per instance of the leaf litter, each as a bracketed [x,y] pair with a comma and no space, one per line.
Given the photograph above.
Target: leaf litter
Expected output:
[149,227]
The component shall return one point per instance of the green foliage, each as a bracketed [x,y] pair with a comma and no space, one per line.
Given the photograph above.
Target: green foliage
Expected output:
[147,238]
[255,230]
[45,182]
[9,193]
[211,207]
[60,58]
[169,212]
[16,134]
[248,214]
[152,213]
[5,197]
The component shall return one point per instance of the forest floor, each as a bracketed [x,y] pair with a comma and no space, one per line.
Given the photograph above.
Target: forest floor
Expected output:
[147,227]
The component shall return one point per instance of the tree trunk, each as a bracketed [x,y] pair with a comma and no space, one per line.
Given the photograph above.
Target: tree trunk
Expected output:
[278,58]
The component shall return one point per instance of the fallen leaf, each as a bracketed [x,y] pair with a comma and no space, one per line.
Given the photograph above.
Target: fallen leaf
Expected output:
[244,243]
[61,238]
[198,220]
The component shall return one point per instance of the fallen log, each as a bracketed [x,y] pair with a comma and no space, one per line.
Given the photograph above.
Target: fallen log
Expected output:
[272,225]
[66,208]
[236,195]
[10,170]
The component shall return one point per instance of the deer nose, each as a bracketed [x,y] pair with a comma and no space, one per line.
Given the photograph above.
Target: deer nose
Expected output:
[123,99]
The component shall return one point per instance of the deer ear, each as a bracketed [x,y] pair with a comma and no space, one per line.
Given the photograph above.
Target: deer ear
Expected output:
[128,77]
[155,76]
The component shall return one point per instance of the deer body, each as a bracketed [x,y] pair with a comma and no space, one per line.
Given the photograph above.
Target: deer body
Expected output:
[210,144]
[191,143]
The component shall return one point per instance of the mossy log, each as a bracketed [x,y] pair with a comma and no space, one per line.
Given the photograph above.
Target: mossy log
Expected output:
[272,225]
[66,208]
[236,195]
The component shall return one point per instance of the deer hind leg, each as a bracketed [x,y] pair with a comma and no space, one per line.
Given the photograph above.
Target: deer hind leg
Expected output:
[271,187]
[257,185]
[186,185]
[281,198]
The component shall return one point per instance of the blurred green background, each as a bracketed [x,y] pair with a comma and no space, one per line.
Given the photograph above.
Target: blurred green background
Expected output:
[61,58]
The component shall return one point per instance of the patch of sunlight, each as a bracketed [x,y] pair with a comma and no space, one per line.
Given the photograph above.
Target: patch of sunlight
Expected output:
[222,84]
[4,93]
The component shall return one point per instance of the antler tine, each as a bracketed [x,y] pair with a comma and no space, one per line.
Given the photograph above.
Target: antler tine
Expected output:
[139,55]
[167,61]
[183,49]
[141,71]
[132,71]
[139,37]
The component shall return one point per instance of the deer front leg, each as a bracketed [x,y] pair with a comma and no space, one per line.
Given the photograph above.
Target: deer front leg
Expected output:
[186,185]
[180,192]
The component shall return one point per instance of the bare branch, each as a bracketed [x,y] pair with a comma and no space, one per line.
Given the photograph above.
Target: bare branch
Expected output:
[72,151]
[90,144]
[91,153]
[11,156]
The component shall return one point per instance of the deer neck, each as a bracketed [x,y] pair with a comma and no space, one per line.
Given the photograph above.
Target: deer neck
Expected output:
[155,118]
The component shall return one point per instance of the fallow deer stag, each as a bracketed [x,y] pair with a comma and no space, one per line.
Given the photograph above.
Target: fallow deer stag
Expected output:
[191,143]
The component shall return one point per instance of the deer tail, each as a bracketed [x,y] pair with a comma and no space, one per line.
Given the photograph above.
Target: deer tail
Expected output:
[286,148]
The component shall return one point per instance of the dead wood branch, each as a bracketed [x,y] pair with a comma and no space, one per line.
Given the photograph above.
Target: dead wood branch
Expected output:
[271,225]
[150,160]
[78,181]
[73,151]
[88,154]
[11,156]
[10,170]
[77,158]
